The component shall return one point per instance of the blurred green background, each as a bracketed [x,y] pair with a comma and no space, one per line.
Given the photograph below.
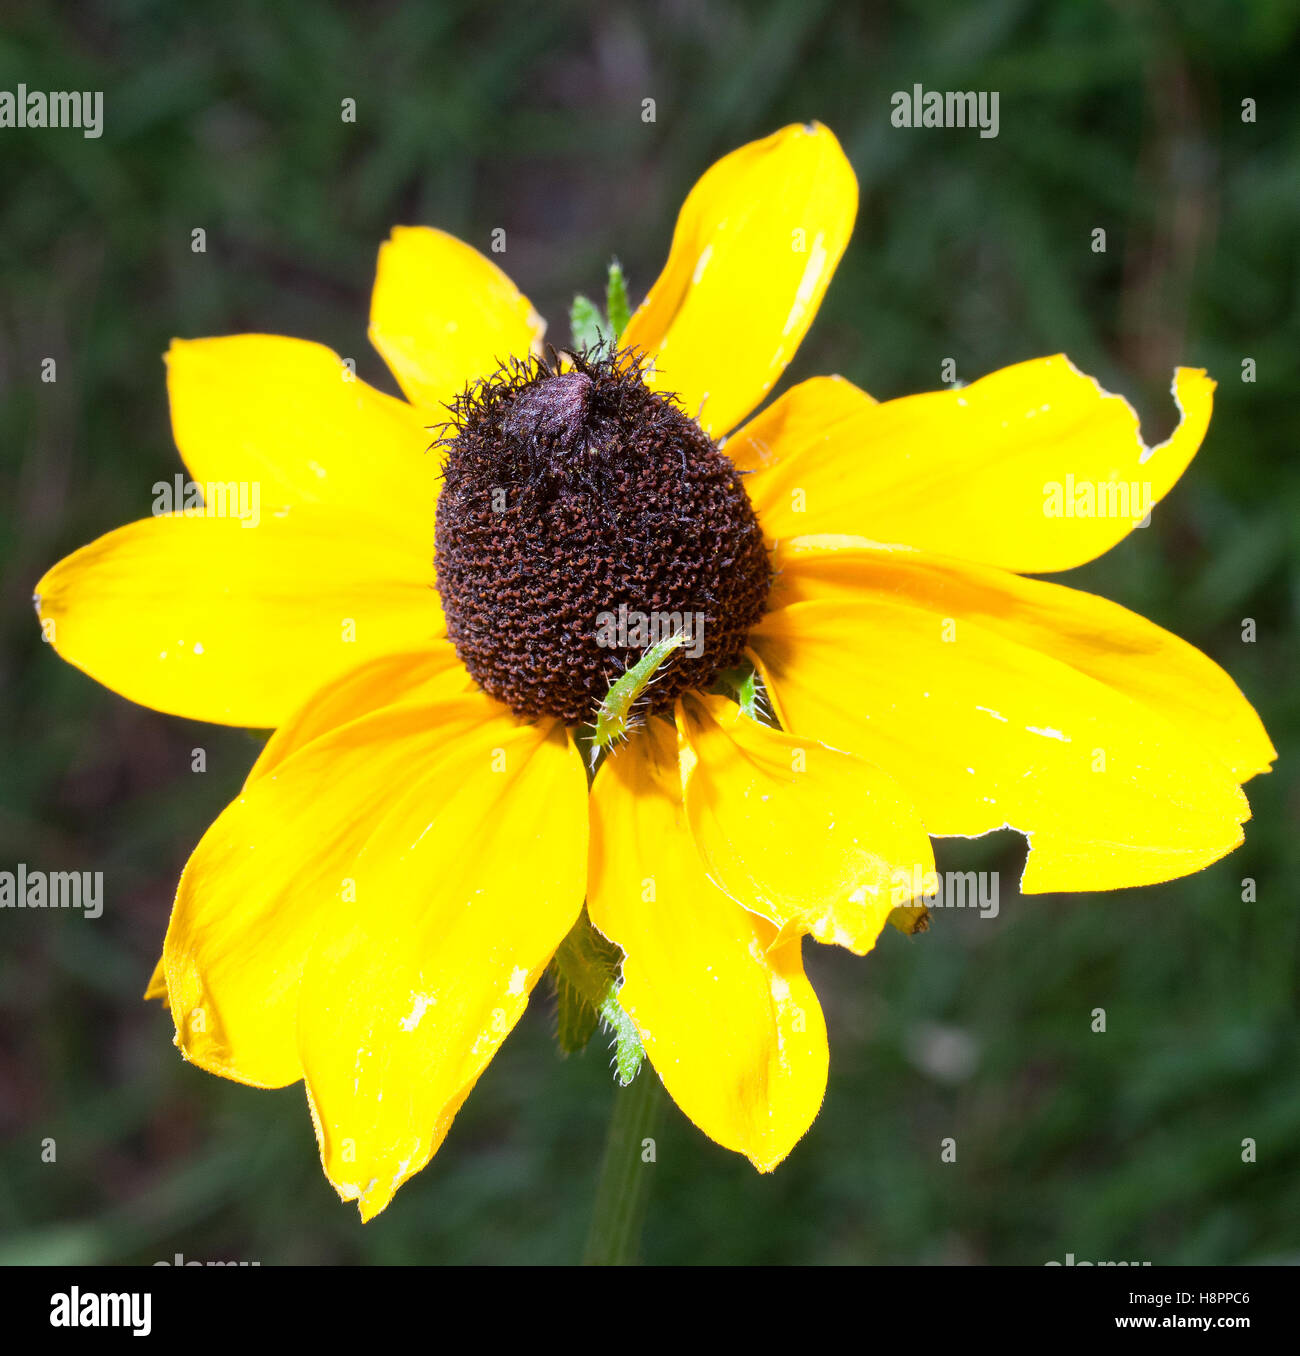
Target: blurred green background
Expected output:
[1125,116]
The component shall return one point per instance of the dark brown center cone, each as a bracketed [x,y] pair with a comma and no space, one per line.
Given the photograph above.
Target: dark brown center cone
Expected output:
[583,516]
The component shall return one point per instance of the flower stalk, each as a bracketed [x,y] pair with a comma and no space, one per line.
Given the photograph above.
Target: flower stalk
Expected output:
[626,1170]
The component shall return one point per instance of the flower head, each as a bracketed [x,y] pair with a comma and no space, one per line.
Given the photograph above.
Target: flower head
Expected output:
[418,840]
[569,495]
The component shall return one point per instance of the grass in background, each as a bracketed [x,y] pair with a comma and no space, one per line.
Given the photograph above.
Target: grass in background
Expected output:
[225,117]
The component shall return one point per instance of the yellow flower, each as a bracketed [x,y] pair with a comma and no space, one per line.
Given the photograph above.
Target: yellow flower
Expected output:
[372,912]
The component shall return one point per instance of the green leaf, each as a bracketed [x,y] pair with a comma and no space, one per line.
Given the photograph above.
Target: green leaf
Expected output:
[586,323]
[587,969]
[616,305]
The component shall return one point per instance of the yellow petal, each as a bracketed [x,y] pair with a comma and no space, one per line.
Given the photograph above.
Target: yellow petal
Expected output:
[790,429]
[985,731]
[812,838]
[443,315]
[462,896]
[257,887]
[426,674]
[1093,635]
[157,987]
[288,416]
[206,618]
[727,1016]
[1034,468]
[756,243]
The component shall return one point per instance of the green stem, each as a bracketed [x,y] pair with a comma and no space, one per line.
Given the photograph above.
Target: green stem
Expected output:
[624,1188]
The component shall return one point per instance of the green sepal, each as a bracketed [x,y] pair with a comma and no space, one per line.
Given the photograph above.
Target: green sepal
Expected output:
[575,1017]
[616,303]
[614,717]
[628,1050]
[742,684]
[586,323]
[587,969]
